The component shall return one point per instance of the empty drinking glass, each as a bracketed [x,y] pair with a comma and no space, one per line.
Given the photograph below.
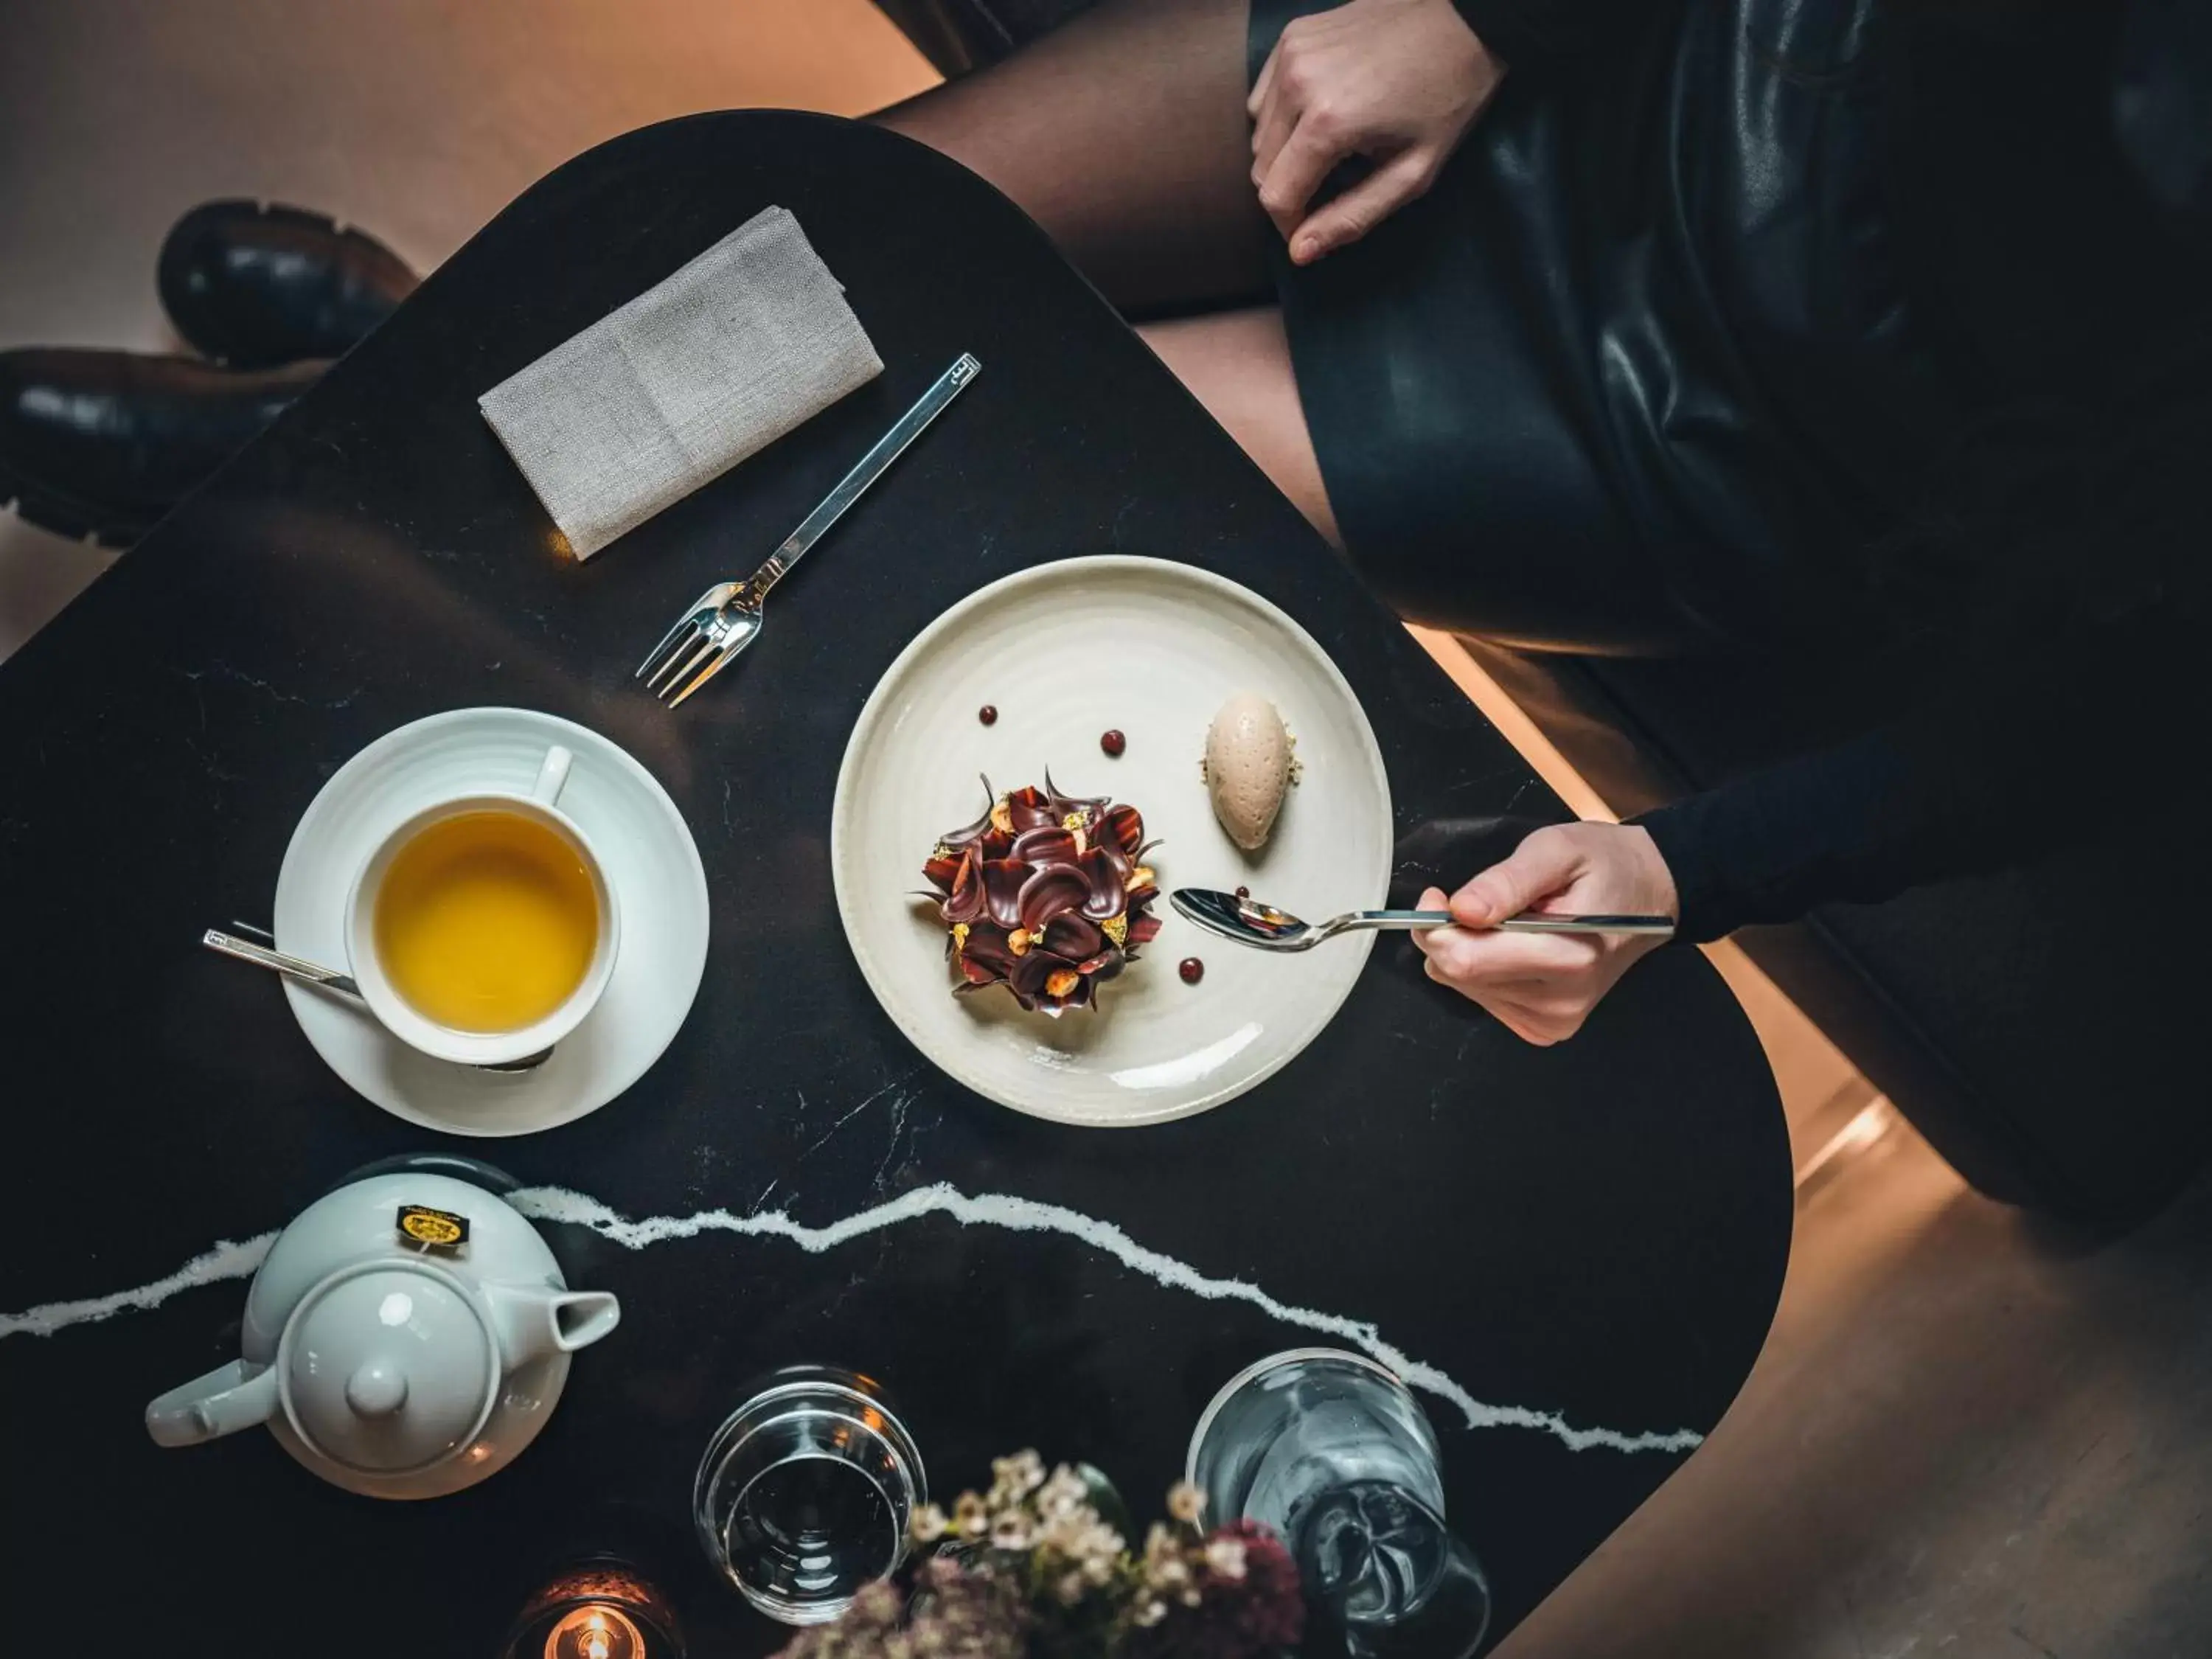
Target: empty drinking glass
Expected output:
[805,1492]
[1332,1452]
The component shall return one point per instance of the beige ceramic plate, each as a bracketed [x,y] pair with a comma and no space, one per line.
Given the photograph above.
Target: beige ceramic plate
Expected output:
[1065,651]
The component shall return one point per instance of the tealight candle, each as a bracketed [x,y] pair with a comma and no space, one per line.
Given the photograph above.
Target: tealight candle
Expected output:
[599,1608]
[597,1630]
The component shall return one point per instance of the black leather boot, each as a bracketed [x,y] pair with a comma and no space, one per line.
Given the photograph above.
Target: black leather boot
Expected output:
[250,286]
[103,443]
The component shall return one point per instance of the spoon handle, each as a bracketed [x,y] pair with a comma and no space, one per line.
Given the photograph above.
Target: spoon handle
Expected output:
[299,968]
[1656,927]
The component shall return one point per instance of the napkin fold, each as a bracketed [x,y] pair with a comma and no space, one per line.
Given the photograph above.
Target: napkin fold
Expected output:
[720,360]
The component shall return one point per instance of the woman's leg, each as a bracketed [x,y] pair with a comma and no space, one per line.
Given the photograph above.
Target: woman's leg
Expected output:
[1238,363]
[1123,134]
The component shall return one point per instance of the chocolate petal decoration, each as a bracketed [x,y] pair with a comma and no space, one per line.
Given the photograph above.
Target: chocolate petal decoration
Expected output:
[976,973]
[1052,891]
[1029,809]
[987,946]
[941,873]
[1143,930]
[965,902]
[1030,972]
[1104,895]
[1125,829]
[1071,936]
[1048,845]
[1003,883]
[1079,996]
[956,840]
[1090,806]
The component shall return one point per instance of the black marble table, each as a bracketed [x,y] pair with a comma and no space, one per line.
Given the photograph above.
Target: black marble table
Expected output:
[1586,1241]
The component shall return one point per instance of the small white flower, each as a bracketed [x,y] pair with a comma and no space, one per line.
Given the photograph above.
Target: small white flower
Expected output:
[926,1525]
[1159,1544]
[971,1516]
[1224,1557]
[1022,1473]
[1151,1614]
[1069,1587]
[1099,1568]
[1011,1531]
[1191,1598]
[1063,1494]
[1186,1503]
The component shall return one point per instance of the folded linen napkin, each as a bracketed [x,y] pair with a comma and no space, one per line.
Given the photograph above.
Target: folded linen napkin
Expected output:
[720,360]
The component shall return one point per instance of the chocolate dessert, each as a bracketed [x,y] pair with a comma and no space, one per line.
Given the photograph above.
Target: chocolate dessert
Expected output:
[1046,894]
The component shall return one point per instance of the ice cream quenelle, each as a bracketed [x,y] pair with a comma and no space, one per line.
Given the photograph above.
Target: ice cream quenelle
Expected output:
[1045,894]
[1249,768]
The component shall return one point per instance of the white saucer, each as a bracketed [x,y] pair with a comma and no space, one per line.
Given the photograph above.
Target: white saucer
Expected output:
[650,858]
[1064,652]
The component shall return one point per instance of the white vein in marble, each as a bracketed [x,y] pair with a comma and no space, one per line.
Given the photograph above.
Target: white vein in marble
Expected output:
[227,1259]
[1005,1210]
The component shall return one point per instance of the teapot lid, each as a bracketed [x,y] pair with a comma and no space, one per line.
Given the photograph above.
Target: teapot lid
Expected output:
[387,1367]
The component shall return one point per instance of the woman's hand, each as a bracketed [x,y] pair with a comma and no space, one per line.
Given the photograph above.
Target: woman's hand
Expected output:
[1398,81]
[1542,987]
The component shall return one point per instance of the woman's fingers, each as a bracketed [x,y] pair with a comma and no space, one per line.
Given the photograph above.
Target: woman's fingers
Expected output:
[1349,215]
[1545,861]
[1266,78]
[1278,118]
[1473,958]
[1465,956]
[1315,146]
[1528,1022]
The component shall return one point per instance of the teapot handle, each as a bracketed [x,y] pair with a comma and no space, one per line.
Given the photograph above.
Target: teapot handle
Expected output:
[222,1402]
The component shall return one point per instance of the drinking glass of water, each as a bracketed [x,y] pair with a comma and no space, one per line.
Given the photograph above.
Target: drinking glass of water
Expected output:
[805,1492]
[1332,1452]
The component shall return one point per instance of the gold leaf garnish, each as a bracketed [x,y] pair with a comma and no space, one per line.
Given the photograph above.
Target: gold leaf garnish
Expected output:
[959,937]
[1072,821]
[1116,928]
[1019,941]
[940,851]
[1002,816]
[1144,876]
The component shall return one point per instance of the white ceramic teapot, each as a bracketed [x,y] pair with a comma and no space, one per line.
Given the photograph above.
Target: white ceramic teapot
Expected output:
[407,1336]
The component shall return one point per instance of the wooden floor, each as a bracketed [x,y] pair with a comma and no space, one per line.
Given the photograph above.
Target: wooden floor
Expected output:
[1968,1435]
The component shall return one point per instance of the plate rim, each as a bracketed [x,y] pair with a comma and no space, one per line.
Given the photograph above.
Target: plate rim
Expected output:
[561,727]
[872,712]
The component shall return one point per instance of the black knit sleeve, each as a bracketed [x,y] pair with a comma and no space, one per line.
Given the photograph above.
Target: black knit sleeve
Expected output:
[1525,34]
[2036,748]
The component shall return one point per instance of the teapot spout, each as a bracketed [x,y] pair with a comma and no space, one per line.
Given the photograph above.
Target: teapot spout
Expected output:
[534,1321]
[225,1401]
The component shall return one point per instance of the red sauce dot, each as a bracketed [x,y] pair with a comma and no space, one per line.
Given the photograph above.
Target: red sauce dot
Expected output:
[1113,743]
[1243,892]
[1191,971]
[989,714]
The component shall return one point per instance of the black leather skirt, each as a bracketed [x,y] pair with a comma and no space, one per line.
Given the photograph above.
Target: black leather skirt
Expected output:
[1640,374]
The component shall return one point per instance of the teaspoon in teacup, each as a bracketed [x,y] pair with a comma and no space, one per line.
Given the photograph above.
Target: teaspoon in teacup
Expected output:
[1264,927]
[327,979]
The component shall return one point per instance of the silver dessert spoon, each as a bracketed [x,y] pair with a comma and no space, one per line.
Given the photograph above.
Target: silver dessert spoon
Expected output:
[327,979]
[1248,921]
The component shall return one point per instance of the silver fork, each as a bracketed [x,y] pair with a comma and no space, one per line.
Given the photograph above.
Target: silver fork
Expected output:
[722,620]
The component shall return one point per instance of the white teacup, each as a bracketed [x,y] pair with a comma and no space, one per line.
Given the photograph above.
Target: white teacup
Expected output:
[401,1018]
